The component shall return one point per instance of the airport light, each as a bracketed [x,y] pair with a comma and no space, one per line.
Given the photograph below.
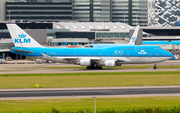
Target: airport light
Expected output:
[94,104]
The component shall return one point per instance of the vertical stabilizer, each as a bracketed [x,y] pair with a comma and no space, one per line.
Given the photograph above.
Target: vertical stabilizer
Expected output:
[134,36]
[20,37]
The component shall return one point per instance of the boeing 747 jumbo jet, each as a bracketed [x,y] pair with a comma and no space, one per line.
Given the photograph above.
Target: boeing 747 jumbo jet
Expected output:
[92,57]
[132,41]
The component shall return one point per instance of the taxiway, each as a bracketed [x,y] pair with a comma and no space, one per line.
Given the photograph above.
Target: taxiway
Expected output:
[8,94]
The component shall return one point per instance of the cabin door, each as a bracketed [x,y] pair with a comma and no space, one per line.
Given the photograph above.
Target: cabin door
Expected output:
[136,48]
[150,55]
[75,54]
[99,54]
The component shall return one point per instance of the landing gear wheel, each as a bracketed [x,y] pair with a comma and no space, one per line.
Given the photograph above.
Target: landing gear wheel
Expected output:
[99,67]
[88,67]
[94,67]
[155,67]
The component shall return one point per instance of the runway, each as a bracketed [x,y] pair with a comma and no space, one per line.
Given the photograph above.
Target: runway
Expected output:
[42,68]
[8,94]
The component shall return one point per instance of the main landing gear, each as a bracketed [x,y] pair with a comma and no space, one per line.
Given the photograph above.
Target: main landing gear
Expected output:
[155,67]
[94,67]
[91,67]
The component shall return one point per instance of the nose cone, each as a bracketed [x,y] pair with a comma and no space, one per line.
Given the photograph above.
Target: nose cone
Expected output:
[169,54]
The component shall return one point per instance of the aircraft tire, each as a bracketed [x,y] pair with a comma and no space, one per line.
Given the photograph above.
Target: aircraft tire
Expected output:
[99,67]
[154,67]
[87,67]
[90,67]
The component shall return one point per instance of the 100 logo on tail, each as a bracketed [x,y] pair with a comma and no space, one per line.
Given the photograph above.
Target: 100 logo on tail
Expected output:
[22,39]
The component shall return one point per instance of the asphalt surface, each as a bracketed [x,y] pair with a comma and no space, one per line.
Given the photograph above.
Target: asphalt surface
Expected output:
[55,93]
[89,92]
[42,68]
[168,62]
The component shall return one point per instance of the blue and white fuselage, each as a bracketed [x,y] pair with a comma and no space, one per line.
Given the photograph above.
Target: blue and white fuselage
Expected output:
[124,54]
[94,55]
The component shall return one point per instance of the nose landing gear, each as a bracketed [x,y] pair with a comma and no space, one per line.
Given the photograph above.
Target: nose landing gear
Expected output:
[155,67]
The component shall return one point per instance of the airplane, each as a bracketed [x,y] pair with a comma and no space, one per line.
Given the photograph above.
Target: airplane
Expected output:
[93,57]
[132,41]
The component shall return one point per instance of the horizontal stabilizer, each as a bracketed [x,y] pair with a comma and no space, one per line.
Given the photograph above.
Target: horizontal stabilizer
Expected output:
[5,50]
[22,51]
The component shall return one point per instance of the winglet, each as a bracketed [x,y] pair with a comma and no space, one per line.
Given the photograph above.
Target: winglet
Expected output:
[20,37]
[134,36]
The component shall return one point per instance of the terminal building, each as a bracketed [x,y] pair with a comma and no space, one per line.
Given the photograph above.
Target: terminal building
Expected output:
[163,12]
[132,12]
[38,11]
[96,32]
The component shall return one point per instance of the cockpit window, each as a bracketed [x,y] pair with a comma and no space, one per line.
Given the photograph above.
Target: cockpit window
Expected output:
[88,46]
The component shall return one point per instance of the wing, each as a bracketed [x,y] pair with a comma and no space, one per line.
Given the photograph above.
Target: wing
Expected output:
[123,60]
[59,59]
[5,50]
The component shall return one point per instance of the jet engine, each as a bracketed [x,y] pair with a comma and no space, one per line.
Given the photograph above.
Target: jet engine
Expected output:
[110,63]
[85,62]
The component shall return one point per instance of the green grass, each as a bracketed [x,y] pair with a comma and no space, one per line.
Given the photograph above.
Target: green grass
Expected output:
[123,103]
[64,80]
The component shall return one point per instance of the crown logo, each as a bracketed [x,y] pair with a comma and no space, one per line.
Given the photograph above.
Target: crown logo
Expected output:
[22,36]
[133,39]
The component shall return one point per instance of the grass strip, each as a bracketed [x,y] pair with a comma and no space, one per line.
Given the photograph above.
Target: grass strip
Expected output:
[87,104]
[64,80]
[94,73]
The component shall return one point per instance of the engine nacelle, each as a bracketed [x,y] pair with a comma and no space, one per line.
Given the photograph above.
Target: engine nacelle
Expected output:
[85,62]
[110,63]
